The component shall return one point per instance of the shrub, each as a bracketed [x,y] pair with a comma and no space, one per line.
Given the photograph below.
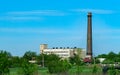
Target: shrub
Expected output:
[27,68]
[59,66]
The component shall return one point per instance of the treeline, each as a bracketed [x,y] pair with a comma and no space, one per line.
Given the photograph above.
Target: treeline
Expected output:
[8,61]
[29,63]
[54,63]
[110,58]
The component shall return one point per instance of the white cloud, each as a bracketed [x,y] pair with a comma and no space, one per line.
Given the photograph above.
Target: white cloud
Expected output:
[32,30]
[19,18]
[96,11]
[30,15]
[39,12]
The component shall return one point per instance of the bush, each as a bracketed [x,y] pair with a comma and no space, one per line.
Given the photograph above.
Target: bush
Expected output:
[27,68]
[95,69]
[59,66]
[4,63]
[112,71]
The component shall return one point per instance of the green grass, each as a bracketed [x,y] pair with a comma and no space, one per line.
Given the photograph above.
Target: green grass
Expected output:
[13,71]
[43,71]
[83,70]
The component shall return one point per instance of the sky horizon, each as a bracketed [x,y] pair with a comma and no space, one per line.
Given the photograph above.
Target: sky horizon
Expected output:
[24,25]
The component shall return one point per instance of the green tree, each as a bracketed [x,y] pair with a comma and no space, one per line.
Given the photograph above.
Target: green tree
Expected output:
[112,71]
[65,66]
[49,58]
[110,58]
[118,57]
[29,55]
[15,61]
[76,60]
[95,69]
[4,62]
[111,55]
[27,68]
[59,67]
[102,56]
[39,59]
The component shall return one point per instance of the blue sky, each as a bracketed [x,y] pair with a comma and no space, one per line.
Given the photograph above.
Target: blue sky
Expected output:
[25,24]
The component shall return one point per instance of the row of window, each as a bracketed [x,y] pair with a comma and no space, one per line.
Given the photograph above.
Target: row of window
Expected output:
[61,55]
[56,51]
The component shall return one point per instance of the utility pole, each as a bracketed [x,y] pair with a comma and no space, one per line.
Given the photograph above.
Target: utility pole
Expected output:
[43,59]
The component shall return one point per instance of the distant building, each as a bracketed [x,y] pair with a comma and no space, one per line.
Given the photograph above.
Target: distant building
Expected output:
[62,51]
[101,59]
[42,47]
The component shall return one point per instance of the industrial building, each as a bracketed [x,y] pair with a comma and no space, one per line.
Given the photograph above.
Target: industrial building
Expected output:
[69,52]
[62,51]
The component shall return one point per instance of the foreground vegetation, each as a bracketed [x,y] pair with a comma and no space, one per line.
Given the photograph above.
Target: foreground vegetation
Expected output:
[73,71]
[53,65]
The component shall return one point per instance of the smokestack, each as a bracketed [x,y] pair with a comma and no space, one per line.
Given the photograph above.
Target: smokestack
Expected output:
[89,35]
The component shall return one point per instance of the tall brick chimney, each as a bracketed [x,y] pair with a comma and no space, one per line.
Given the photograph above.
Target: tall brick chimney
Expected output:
[89,35]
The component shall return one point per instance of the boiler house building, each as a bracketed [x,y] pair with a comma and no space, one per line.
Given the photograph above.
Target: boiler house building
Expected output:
[62,51]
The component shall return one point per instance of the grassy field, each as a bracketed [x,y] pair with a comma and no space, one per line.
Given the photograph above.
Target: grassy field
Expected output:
[83,70]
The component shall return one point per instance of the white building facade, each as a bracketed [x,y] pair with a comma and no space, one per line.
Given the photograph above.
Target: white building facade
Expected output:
[63,52]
